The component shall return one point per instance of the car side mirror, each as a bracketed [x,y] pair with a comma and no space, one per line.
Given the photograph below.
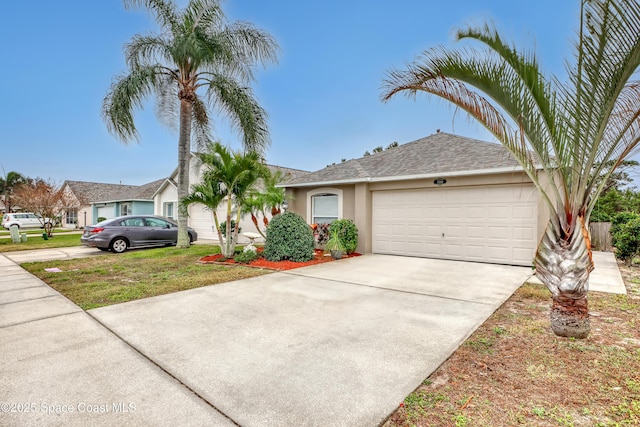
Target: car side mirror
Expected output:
[167,226]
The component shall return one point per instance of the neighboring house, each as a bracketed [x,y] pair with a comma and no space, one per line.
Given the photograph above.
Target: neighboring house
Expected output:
[88,201]
[443,196]
[200,217]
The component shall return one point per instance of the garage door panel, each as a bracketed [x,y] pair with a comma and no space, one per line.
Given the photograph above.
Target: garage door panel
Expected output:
[491,224]
[476,232]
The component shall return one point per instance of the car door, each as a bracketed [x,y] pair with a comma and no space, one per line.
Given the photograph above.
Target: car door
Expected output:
[33,221]
[162,232]
[134,230]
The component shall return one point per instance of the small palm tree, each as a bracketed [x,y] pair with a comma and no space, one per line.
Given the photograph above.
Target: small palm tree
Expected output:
[269,198]
[229,177]
[577,132]
[210,195]
[198,59]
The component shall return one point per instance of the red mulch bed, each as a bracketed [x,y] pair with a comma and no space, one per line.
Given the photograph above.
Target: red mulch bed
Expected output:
[318,258]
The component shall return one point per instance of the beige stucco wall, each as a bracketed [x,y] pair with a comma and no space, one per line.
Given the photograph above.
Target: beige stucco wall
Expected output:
[357,199]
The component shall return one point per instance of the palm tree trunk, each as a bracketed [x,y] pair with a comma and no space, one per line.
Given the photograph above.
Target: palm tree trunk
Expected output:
[255,222]
[217,225]
[563,263]
[184,145]
[228,244]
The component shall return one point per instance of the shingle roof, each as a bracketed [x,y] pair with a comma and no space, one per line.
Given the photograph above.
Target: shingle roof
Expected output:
[91,192]
[437,153]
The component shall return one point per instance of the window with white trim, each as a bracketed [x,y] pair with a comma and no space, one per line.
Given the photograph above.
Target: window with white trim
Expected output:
[168,210]
[324,208]
[125,209]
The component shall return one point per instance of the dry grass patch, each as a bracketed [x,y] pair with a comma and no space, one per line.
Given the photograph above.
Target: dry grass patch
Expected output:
[114,278]
[513,371]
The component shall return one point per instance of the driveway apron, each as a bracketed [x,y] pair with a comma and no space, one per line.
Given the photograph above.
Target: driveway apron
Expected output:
[336,344]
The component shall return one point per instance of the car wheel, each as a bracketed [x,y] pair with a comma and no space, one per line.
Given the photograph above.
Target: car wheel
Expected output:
[118,245]
[190,238]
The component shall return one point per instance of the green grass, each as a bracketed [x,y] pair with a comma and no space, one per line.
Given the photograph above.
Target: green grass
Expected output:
[37,242]
[5,232]
[114,278]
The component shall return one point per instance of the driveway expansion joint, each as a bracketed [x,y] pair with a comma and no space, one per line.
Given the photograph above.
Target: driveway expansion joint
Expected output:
[162,368]
[402,291]
[40,319]
[27,299]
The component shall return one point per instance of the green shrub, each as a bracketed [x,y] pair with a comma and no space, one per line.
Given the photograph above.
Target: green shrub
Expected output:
[619,220]
[288,238]
[223,227]
[101,218]
[348,233]
[246,257]
[627,240]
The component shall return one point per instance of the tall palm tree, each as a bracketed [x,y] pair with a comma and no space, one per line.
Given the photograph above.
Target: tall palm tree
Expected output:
[198,59]
[228,178]
[577,132]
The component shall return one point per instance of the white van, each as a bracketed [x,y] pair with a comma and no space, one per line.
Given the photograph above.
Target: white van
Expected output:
[23,220]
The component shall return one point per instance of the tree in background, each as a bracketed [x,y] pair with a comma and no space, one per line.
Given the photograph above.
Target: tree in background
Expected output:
[44,198]
[577,131]
[198,59]
[8,184]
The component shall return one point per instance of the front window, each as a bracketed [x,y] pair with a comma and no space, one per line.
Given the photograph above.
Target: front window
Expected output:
[324,208]
[125,209]
[168,210]
[72,217]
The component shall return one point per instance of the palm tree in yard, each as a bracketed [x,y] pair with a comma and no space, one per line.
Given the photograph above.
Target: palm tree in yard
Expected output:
[228,179]
[268,198]
[198,59]
[577,132]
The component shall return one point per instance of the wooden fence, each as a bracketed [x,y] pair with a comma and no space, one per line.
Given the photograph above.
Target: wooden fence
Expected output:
[601,236]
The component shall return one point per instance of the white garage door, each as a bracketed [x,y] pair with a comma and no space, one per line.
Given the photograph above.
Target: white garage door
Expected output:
[495,224]
[106,211]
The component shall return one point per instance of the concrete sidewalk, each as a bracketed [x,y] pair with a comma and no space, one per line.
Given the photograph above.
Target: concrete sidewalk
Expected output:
[62,368]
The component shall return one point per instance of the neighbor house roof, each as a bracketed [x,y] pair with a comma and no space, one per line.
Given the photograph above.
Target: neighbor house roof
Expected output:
[92,192]
[440,154]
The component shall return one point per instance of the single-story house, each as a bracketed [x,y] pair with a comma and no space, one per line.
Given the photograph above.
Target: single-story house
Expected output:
[88,201]
[201,218]
[443,196]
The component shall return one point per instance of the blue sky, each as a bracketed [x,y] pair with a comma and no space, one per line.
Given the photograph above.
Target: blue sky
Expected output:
[59,58]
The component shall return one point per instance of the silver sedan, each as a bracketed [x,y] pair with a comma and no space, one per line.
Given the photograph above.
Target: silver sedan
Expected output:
[133,231]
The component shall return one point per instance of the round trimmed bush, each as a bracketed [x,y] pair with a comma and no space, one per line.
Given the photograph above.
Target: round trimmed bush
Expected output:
[348,233]
[288,238]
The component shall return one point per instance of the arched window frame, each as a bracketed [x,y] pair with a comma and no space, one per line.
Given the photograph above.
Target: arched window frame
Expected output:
[323,191]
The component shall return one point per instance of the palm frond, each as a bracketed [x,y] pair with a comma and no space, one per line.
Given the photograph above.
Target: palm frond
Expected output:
[127,93]
[164,12]
[242,109]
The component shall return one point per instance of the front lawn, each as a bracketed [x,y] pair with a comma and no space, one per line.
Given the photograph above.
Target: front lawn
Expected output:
[114,278]
[37,242]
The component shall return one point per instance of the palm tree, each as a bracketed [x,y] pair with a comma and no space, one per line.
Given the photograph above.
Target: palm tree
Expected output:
[269,198]
[229,178]
[8,185]
[210,195]
[198,59]
[577,132]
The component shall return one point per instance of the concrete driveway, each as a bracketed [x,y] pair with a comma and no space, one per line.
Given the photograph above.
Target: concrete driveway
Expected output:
[337,344]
